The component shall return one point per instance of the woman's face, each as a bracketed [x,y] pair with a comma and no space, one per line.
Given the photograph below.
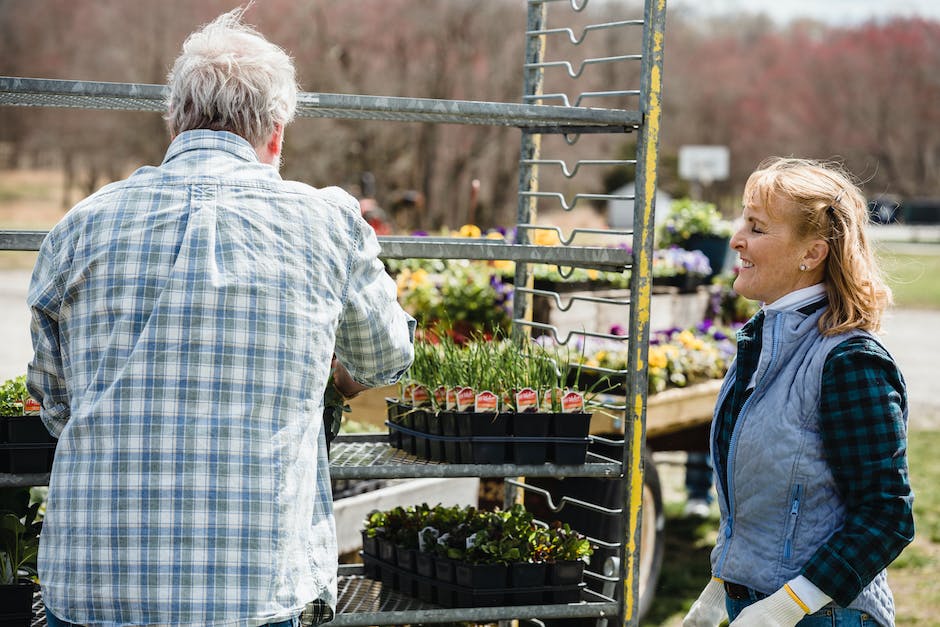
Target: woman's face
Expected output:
[770,254]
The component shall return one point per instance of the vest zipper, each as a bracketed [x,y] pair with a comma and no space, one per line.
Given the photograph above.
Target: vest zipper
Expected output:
[796,498]
[729,471]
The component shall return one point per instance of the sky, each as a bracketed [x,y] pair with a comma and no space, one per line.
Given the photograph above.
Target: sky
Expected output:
[835,12]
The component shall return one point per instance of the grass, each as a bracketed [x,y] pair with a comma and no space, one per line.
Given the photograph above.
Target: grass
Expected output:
[914,576]
[913,277]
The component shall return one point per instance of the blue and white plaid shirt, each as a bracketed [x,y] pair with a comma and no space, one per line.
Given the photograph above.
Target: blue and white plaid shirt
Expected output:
[183,325]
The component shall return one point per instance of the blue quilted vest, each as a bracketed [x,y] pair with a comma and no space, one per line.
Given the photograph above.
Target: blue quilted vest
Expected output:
[782,503]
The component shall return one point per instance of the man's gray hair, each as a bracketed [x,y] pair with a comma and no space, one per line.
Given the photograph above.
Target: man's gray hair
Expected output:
[229,77]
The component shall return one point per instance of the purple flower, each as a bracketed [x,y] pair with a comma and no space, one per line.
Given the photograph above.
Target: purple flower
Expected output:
[419,233]
[617,330]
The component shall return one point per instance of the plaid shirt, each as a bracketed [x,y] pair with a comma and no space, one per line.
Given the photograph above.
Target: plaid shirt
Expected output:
[183,325]
[863,404]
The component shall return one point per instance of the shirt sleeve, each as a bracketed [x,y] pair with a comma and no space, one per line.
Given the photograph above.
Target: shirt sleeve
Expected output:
[375,338]
[45,377]
[863,423]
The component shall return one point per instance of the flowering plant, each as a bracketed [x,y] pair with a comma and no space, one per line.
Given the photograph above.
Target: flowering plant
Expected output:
[675,261]
[677,357]
[691,217]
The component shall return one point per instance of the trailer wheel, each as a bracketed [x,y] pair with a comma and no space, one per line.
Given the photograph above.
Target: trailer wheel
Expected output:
[652,542]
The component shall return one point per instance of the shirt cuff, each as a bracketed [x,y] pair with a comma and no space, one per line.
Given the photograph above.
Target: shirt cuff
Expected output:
[811,596]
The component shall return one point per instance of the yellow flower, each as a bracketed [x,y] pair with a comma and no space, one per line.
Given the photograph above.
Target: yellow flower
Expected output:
[546,238]
[419,277]
[600,356]
[502,264]
[657,357]
[470,230]
[494,235]
[592,274]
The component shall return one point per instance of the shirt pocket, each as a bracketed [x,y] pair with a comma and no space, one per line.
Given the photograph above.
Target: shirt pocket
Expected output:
[793,517]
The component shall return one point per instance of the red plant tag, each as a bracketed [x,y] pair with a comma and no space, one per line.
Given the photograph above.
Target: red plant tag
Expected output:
[420,396]
[465,399]
[31,407]
[440,395]
[527,400]
[452,398]
[551,398]
[486,401]
[572,403]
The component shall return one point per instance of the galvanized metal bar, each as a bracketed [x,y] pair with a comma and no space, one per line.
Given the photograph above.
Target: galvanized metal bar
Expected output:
[21,91]
[641,281]
[586,62]
[584,95]
[363,457]
[21,240]
[526,208]
[394,247]
[577,40]
[556,298]
[568,206]
[574,232]
[570,173]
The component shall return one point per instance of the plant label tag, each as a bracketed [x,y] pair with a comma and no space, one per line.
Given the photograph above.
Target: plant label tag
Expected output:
[527,400]
[451,403]
[572,403]
[465,399]
[487,402]
[440,396]
[551,398]
[420,396]
[31,407]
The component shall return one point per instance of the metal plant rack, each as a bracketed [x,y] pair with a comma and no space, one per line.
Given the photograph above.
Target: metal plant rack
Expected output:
[363,601]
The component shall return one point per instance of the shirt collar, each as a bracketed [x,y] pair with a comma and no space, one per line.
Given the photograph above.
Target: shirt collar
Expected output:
[797,298]
[205,139]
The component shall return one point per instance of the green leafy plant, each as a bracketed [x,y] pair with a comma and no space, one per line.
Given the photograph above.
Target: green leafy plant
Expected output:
[691,217]
[12,394]
[19,535]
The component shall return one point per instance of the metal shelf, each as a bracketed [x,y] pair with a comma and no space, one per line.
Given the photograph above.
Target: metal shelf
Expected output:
[400,247]
[40,92]
[362,601]
[369,456]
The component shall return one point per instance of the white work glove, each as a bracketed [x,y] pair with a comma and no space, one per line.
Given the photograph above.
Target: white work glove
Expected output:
[781,609]
[709,609]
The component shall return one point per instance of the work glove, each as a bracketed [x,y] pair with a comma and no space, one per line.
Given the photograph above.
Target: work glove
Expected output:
[781,609]
[709,609]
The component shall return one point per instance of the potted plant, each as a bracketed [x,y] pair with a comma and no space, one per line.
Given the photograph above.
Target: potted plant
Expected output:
[697,225]
[25,444]
[19,548]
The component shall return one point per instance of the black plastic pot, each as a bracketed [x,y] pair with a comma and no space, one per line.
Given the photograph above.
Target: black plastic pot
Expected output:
[530,425]
[387,550]
[444,568]
[405,558]
[370,546]
[16,604]
[565,573]
[448,422]
[481,576]
[570,425]
[29,448]
[394,413]
[488,425]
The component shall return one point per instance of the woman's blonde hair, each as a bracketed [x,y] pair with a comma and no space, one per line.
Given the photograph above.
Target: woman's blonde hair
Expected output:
[829,205]
[230,78]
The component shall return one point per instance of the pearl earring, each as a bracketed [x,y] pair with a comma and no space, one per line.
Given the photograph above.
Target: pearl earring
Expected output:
[803,267]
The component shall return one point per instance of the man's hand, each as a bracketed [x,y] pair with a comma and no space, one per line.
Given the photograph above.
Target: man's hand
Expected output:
[345,384]
[709,609]
[781,609]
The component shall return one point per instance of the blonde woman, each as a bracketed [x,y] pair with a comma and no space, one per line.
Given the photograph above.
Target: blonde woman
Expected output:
[809,438]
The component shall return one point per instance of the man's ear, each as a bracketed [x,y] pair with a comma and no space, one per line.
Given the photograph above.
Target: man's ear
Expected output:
[276,140]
